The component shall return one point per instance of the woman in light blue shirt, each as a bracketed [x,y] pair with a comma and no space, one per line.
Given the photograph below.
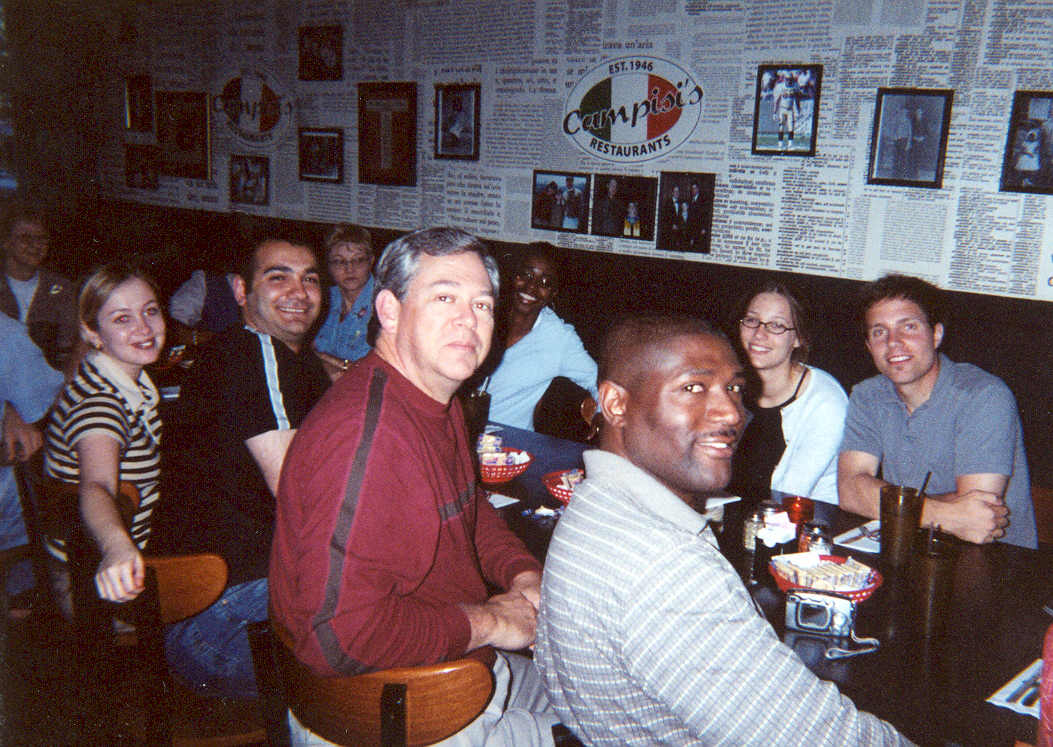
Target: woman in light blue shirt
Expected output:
[538,345]
[342,338]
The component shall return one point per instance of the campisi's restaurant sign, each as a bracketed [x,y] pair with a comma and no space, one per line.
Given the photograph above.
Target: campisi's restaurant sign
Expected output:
[254,107]
[633,109]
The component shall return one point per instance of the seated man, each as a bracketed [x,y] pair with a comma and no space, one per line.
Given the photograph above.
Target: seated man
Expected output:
[28,387]
[41,300]
[223,454]
[925,413]
[384,545]
[646,633]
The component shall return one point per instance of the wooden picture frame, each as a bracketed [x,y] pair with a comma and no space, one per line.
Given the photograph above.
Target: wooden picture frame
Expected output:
[321,155]
[387,133]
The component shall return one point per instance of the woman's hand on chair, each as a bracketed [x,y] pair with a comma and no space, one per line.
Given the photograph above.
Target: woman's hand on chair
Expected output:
[121,573]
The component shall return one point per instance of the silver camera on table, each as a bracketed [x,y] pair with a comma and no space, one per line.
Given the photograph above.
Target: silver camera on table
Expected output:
[820,612]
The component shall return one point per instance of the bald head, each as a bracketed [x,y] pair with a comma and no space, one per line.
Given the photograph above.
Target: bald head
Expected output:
[634,342]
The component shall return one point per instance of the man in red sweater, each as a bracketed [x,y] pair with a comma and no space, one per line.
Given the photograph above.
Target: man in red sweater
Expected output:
[383,544]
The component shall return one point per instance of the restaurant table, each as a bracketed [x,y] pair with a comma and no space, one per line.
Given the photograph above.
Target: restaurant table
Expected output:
[549,455]
[933,690]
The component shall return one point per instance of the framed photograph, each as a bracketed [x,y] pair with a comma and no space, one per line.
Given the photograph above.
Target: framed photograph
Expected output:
[249,179]
[909,140]
[457,121]
[1028,162]
[387,134]
[184,136]
[685,211]
[321,53]
[140,166]
[560,201]
[321,155]
[138,104]
[624,206]
[786,109]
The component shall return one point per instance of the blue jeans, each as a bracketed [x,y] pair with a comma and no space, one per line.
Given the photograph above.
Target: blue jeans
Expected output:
[13,531]
[210,651]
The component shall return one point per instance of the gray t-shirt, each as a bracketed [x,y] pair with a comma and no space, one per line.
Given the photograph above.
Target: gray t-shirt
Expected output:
[969,425]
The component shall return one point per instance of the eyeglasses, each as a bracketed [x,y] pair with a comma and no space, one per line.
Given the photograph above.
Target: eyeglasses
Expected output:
[776,328]
[544,281]
[357,262]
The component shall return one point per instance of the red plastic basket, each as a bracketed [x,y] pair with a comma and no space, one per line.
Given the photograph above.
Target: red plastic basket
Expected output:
[856,595]
[555,486]
[498,473]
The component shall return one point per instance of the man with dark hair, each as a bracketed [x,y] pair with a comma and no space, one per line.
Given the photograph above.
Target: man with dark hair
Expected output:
[647,635]
[924,413]
[43,301]
[223,454]
[384,545]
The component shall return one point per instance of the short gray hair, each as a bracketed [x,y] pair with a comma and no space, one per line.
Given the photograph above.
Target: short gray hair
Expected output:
[400,261]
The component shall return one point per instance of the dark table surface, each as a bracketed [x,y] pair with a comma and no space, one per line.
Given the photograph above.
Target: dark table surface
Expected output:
[934,690]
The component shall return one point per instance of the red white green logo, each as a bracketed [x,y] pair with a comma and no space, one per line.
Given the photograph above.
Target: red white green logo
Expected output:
[633,109]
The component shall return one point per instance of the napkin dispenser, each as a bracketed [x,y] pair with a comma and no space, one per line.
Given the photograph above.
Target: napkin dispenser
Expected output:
[819,612]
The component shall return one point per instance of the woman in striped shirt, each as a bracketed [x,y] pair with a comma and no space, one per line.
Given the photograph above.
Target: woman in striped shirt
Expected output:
[105,428]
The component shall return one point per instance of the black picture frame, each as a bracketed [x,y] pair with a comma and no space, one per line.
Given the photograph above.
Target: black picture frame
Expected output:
[685,211]
[138,103]
[613,215]
[184,134]
[457,121]
[321,53]
[387,133]
[1028,162]
[321,154]
[905,148]
[551,197]
[786,109]
[250,180]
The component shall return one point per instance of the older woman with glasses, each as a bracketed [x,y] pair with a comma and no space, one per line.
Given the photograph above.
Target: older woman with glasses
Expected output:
[537,345]
[342,337]
[790,446]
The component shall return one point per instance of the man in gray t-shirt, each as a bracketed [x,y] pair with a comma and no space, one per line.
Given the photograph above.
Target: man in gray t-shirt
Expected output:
[925,413]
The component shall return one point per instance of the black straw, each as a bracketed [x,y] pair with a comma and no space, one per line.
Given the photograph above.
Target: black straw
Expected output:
[925,483]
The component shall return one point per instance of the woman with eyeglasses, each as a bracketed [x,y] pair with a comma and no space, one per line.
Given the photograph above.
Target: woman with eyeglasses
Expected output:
[342,337]
[791,444]
[537,345]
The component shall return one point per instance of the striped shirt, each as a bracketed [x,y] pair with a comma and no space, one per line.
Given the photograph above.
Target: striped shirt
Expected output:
[103,399]
[647,636]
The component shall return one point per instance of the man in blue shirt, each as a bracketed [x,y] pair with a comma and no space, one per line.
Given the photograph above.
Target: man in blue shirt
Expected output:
[28,386]
[924,414]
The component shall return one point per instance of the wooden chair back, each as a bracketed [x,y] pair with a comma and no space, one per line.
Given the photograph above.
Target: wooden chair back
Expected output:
[403,706]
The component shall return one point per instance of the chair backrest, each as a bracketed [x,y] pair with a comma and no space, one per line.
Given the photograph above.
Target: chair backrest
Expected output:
[57,505]
[403,706]
[566,411]
[187,584]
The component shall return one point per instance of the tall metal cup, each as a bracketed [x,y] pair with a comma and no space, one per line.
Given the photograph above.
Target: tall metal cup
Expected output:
[900,518]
